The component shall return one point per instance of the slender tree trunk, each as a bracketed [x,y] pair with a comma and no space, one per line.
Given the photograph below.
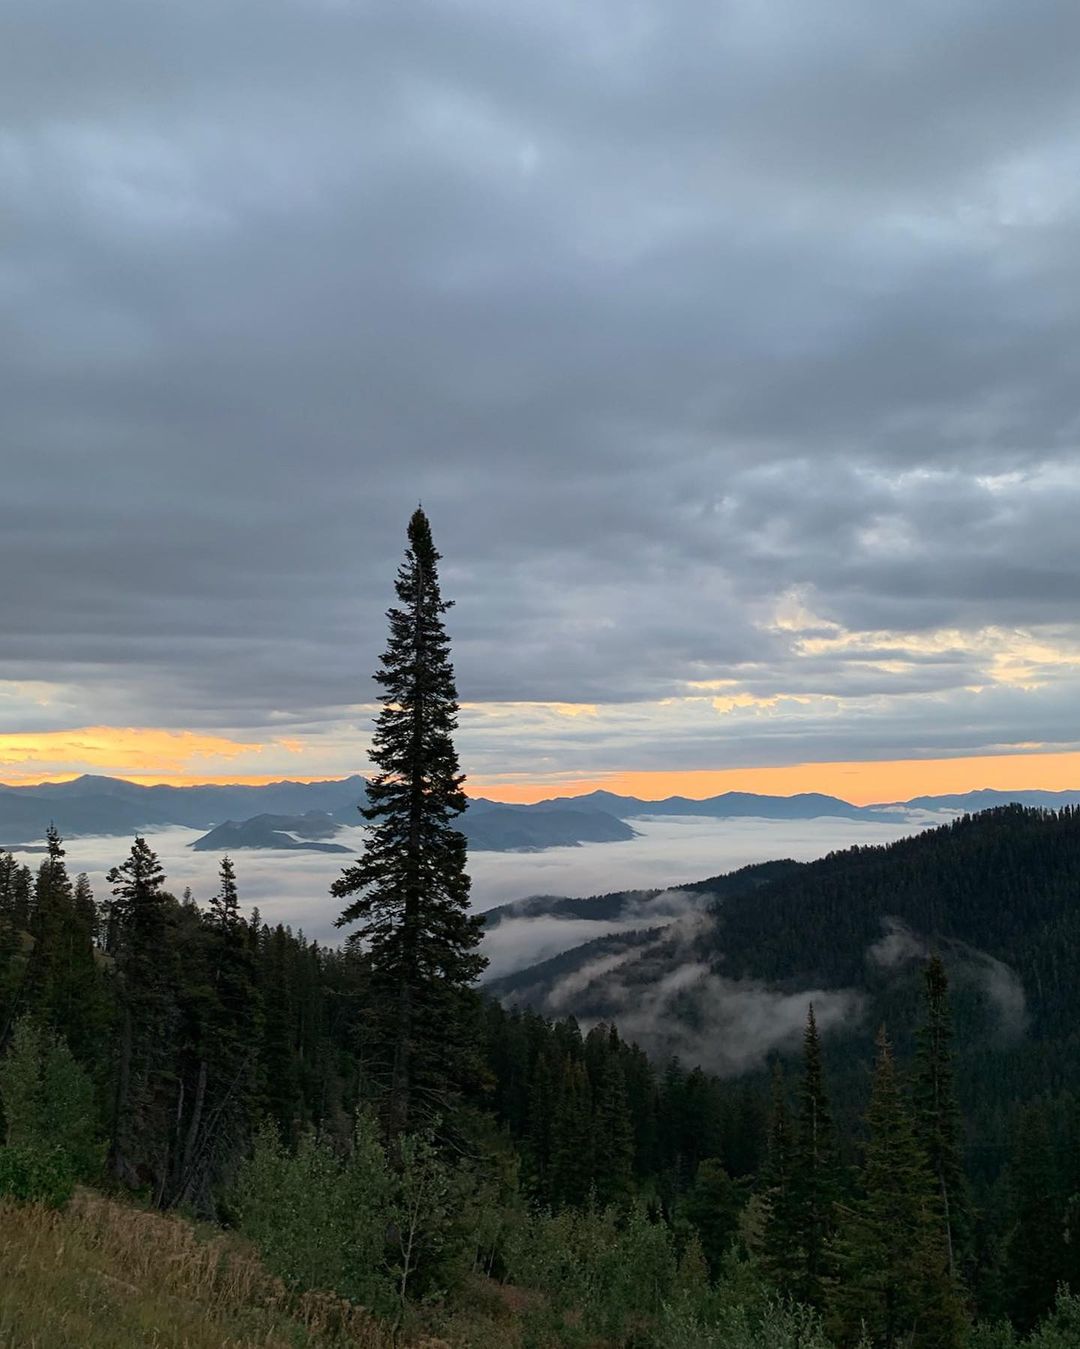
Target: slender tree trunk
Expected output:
[118,1162]
[188,1155]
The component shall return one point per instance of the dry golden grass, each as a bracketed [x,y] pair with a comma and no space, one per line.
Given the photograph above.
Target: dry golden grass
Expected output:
[102,1275]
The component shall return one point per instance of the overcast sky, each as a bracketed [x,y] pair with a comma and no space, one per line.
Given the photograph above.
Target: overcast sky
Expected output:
[733,349]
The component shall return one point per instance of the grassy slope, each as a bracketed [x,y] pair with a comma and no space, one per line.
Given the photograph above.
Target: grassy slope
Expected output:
[102,1275]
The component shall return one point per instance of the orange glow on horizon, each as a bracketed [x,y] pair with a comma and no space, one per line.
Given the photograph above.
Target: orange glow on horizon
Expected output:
[137,753]
[861,783]
[153,756]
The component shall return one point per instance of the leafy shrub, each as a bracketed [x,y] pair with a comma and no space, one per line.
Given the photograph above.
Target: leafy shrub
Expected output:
[33,1174]
[602,1271]
[775,1325]
[48,1100]
[1061,1329]
[320,1220]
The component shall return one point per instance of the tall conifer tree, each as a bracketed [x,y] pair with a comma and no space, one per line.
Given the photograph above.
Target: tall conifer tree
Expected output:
[614,1133]
[781,1247]
[937,1115]
[814,1181]
[894,1277]
[411,884]
[144,965]
[221,1012]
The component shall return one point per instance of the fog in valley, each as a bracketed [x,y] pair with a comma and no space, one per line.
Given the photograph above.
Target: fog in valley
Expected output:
[292,887]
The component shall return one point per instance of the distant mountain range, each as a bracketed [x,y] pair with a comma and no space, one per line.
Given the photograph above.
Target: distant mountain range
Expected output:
[112,806]
[727,806]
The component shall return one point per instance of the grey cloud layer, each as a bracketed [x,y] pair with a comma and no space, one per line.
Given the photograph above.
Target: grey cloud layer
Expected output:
[664,310]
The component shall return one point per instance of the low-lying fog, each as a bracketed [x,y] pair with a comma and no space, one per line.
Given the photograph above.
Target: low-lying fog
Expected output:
[291,887]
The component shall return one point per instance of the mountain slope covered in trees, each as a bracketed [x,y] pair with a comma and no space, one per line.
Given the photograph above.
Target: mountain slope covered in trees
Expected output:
[824,1106]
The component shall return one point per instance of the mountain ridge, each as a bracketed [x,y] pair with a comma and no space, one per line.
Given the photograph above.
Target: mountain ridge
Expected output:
[95,804]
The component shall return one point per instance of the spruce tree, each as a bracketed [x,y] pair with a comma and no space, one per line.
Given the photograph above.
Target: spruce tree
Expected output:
[225,904]
[937,1115]
[10,965]
[894,1277]
[814,1179]
[612,1127]
[50,926]
[543,1095]
[1036,1249]
[712,1207]
[220,1005]
[780,1247]
[572,1152]
[411,886]
[144,956]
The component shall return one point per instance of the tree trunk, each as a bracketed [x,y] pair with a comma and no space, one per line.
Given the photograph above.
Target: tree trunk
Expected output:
[187,1157]
[119,1164]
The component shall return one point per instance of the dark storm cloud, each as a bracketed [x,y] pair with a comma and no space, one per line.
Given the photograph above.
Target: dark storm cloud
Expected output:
[668,312]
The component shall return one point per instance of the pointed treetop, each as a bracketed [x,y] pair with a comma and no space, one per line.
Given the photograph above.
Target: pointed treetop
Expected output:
[421,544]
[55,842]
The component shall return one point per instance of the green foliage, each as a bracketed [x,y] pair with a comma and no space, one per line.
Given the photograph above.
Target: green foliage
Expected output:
[894,1278]
[320,1220]
[33,1173]
[712,1208]
[423,1212]
[48,1101]
[608,1271]
[1035,1246]
[937,1116]
[1061,1329]
[146,974]
[774,1325]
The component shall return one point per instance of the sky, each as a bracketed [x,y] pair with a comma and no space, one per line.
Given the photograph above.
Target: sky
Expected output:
[730,347]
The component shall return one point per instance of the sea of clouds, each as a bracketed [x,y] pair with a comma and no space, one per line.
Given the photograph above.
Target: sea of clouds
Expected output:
[293,887]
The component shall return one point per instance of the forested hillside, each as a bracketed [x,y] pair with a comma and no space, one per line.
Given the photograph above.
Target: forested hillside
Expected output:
[997,895]
[886,1153]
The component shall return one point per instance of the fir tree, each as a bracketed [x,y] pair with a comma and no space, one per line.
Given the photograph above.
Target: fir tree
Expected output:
[712,1208]
[612,1129]
[220,1005]
[571,1179]
[138,1149]
[10,943]
[411,885]
[63,988]
[814,1180]
[937,1115]
[225,904]
[86,910]
[279,1076]
[49,925]
[543,1093]
[781,1246]
[1036,1246]
[894,1277]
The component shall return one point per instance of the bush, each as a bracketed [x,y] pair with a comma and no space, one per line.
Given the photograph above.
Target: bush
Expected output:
[48,1100]
[36,1175]
[1061,1329]
[602,1272]
[776,1325]
[320,1220]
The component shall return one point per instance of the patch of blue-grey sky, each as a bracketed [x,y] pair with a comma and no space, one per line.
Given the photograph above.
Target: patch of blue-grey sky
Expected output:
[732,350]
